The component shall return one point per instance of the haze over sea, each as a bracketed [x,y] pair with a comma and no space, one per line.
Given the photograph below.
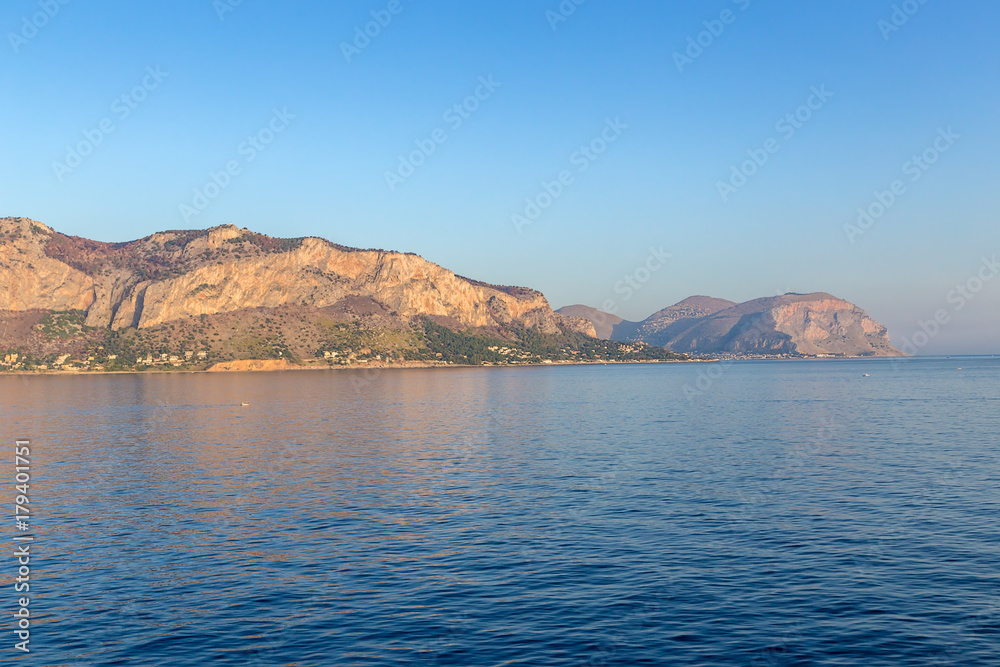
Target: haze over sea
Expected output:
[793,513]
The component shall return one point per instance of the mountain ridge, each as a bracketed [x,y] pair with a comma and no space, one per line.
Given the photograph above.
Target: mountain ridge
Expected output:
[816,324]
[236,294]
[185,273]
[199,298]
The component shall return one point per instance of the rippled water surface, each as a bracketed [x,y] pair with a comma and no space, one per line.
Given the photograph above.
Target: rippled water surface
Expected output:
[775,513]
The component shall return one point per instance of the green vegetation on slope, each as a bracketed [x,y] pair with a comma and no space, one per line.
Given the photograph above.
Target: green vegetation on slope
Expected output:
[64,324]
[533,346]
[304,337]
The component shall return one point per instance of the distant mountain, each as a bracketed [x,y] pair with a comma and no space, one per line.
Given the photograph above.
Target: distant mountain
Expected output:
[661,327]
[604,323]
[792,324]
[226,293]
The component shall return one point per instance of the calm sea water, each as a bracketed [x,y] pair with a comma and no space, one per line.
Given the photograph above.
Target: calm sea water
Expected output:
[791,513]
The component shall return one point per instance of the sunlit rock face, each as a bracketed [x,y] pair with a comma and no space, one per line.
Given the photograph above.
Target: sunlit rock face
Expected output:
[179,274]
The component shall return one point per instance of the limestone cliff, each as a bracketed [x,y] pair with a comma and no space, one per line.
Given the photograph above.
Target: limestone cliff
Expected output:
[604,323]
[791,324]
[182,274]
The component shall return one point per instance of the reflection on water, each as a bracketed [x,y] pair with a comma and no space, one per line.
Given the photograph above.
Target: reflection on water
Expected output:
[793,513]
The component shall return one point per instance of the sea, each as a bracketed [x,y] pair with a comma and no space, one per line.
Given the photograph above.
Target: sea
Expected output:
[815,512]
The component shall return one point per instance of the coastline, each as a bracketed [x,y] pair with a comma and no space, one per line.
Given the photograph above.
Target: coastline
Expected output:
[276,365]
[406,365]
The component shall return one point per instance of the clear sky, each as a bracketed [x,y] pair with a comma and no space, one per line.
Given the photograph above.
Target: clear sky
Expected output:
[670,101]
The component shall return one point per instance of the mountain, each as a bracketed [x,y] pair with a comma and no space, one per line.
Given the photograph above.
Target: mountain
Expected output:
[178,274]
[661,327]
[604,323]
[228,293]
[791,325]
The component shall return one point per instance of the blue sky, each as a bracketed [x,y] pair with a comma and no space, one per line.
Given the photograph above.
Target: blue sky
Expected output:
[889,91]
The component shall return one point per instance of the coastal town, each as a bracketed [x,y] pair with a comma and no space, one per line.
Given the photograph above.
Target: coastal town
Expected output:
[15,361]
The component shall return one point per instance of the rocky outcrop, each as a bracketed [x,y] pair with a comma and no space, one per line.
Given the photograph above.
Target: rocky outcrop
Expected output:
[604,323]
[30,279]
[792,324]
[182,274]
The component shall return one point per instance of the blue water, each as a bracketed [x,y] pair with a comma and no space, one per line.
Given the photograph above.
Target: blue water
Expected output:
[775,513]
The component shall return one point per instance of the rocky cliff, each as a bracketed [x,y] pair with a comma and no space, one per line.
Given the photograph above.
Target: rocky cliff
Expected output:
[604,323]
[184,274]
[792,324]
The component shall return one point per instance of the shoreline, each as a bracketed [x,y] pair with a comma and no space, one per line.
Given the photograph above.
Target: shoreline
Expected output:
[286,367]
[352,367]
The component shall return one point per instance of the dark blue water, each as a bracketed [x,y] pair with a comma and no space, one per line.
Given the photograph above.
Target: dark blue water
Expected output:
[775,513]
